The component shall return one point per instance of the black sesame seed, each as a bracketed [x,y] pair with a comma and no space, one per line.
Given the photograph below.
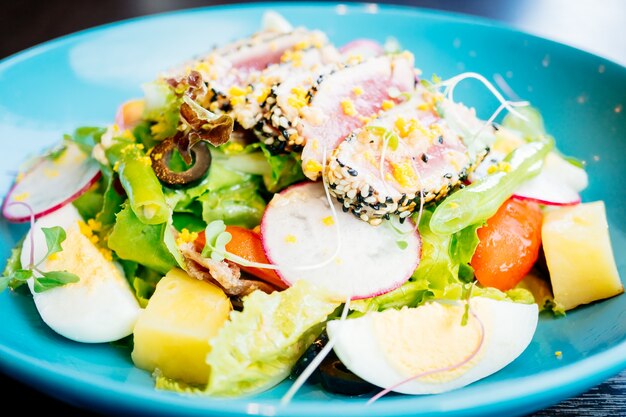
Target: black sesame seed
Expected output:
[424,158]
[340,163]
[332,185]
[440,140]
[402,219]
[388,200]
[386,216]
[353,172]
[448,175]
[345,209]
[284,132]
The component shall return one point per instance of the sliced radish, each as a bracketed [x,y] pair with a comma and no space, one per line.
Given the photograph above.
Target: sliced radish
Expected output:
[366,48]
[558,183]
[544,189]
[299,233]
[49,184]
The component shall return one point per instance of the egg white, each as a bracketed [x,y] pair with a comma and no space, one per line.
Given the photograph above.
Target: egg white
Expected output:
[100,307]
[508,330]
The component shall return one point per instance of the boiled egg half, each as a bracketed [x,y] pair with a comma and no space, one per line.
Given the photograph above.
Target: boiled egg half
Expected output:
[100,307]
[429,348]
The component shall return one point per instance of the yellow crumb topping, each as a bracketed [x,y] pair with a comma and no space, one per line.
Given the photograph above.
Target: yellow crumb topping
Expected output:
[233,147]
[404,174]
[357,90]
[312,166]
[290,239]
[21,197]
[297,99]
[348,107]
[87,231]
[354,59]
[263,96]
[328,221]
[108,255]
[145,160]
[293,56]
[387,105]
[405,127]
[364,120]
[501,166]
[185,236]
[238,94]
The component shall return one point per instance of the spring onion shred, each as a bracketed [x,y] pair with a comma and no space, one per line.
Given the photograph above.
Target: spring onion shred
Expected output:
[451,83]
[479,345]
[244,262]
[504,86]
[31,235]
[302,378]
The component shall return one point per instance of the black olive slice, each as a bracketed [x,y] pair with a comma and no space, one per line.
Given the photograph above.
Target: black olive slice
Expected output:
[162,154]
[336,378]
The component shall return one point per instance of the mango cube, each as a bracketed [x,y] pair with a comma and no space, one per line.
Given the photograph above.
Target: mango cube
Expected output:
[173,332]
[579,255]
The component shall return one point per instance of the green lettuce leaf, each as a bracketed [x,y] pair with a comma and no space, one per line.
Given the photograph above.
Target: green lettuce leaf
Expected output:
[257,348]
[86,137]
[162,108]
[135,241]
[90,203]
[13,265]
[285,169]
[277,171]
[238,205]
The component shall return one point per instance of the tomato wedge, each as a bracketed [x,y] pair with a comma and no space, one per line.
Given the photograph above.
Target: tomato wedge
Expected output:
[509,245]
[246,244]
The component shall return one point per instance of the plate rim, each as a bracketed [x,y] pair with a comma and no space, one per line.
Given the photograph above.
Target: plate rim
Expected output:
[570,379]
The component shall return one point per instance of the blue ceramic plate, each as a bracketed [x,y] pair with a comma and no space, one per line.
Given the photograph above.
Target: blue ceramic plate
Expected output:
[80,80]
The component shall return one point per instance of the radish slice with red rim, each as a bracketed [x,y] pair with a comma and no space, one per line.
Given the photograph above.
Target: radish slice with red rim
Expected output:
[558,183]
[51,183]
[299,235]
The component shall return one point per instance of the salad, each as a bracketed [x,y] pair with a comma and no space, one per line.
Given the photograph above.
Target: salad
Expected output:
[285,209]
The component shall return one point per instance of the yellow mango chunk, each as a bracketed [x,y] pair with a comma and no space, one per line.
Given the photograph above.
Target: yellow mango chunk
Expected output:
[579,255]
[173,332]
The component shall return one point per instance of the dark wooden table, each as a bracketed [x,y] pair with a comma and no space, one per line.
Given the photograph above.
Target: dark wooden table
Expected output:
[588,24]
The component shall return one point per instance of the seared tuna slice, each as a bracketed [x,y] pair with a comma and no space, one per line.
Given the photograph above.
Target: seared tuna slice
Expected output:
[227,69]
[317,111]
[383,168]
[306,57]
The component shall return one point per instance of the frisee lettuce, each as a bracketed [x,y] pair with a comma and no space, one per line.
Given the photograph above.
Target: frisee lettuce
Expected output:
[258,346]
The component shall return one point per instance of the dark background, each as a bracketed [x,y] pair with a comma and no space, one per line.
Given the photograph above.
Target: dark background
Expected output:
[595,26]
